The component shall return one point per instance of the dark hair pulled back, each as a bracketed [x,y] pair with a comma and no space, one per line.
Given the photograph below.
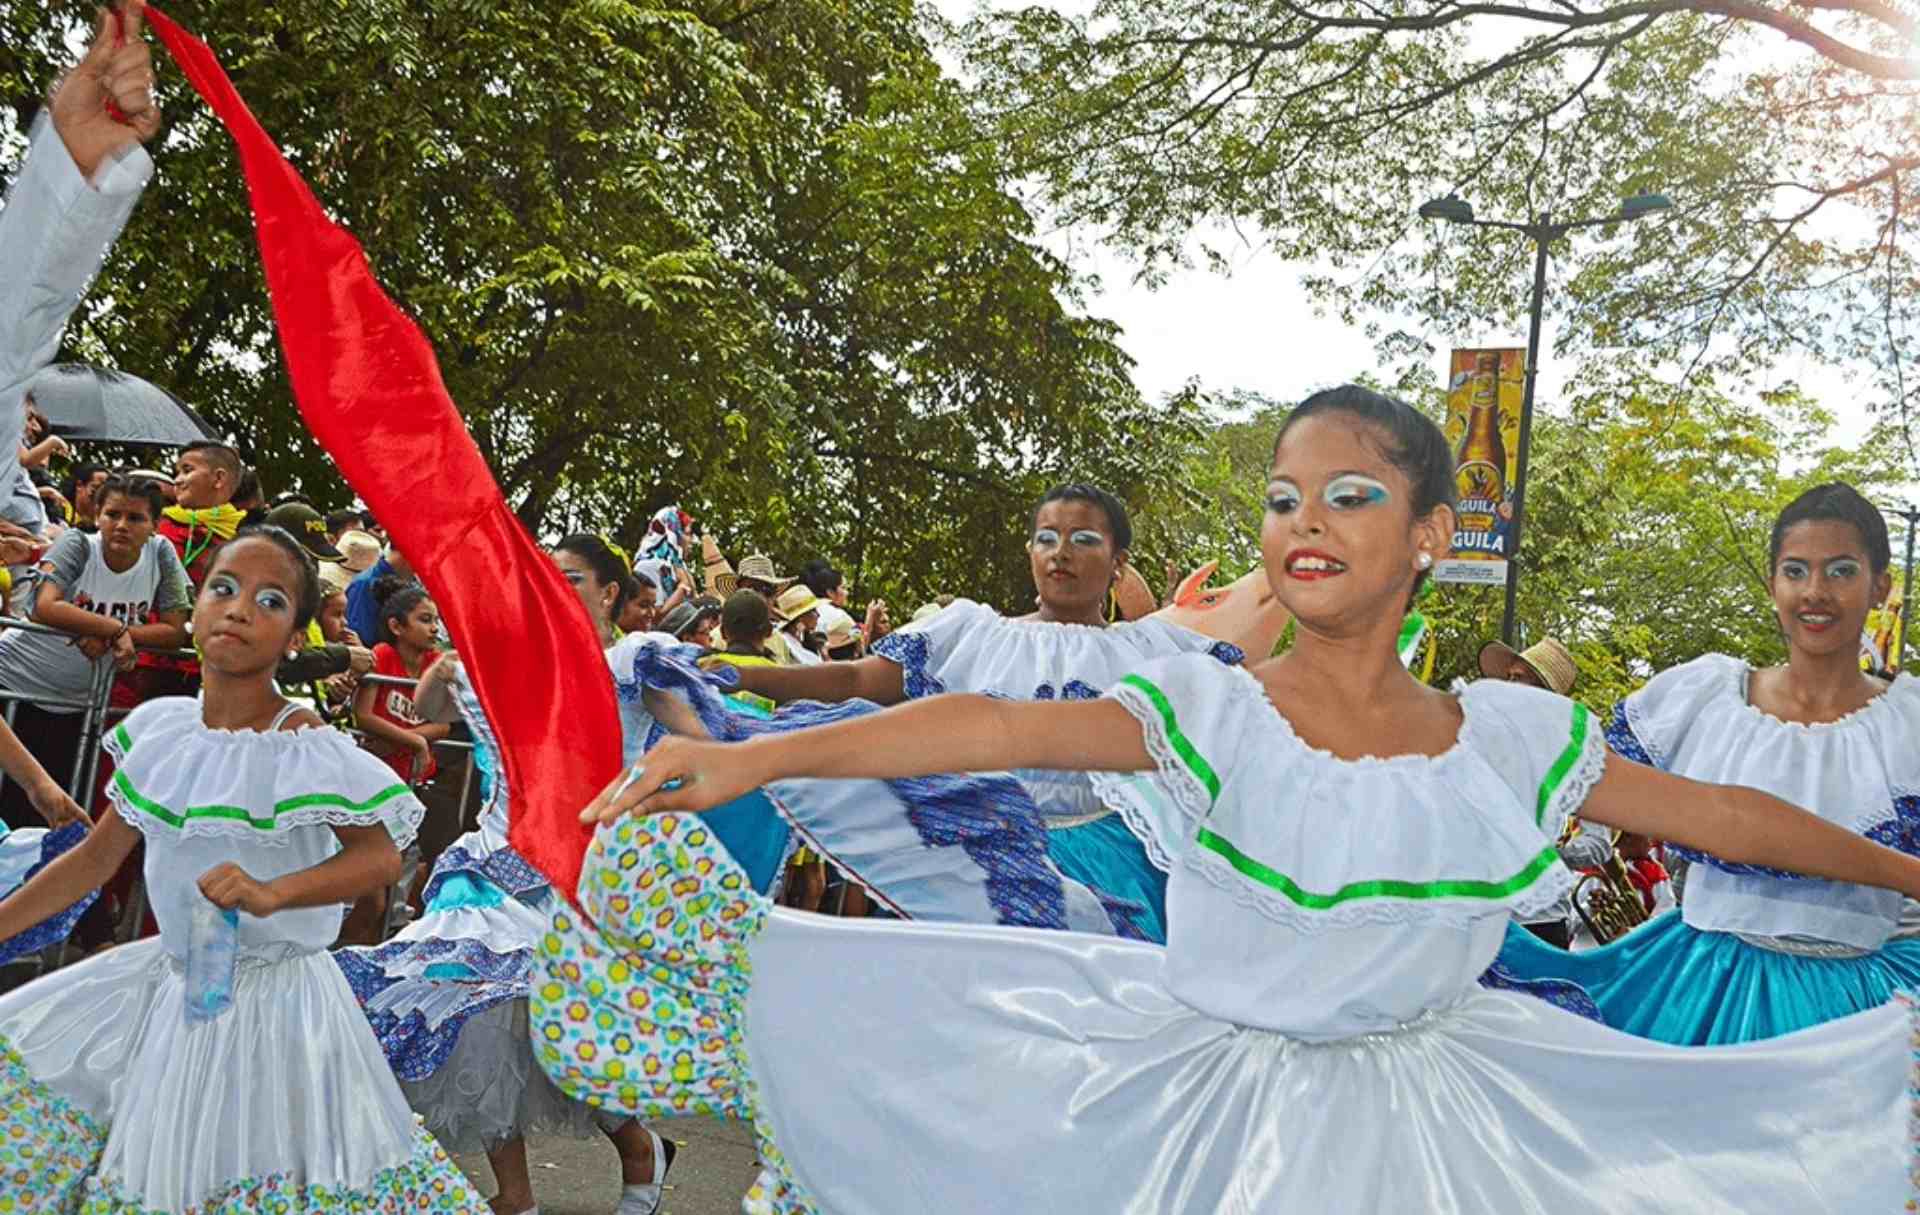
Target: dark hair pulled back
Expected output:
[397,598]
[1406,437]
[307,591]
[605,564]
[1841,503]
[1115,510]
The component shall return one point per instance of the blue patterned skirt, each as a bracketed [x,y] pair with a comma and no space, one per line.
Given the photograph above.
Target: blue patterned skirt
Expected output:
[1673,983]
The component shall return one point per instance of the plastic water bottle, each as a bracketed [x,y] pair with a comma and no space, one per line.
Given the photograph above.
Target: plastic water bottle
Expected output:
[213,945]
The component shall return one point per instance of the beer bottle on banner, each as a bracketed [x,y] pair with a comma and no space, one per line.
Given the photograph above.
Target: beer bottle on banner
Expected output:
[1480,466]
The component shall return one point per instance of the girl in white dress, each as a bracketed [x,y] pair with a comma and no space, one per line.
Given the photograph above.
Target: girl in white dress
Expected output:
[1346,847]
[1757,952]
[111,1097]
[447,997]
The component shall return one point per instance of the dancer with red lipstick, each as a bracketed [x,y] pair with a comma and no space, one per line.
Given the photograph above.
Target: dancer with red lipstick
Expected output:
[1755,952]
[1345,847]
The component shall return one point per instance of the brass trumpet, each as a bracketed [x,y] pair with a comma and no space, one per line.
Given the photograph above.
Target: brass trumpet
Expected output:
[1612,906]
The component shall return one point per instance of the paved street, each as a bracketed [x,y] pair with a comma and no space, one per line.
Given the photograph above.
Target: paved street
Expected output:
[581,1177]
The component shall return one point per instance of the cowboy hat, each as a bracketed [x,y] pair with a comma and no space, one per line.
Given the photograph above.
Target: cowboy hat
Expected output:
[1546,658]
[759,568]
[794,602]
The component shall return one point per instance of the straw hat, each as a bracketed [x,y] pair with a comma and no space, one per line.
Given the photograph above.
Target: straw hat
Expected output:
[794,602]
[1547,658]
[759,568]
[718,570]
[843,633]
[359,551]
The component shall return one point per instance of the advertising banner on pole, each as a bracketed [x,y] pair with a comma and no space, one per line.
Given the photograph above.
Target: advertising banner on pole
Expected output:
[1484,389]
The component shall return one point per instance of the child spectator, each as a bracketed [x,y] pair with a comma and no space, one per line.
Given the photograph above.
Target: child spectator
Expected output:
[409,631]
[202,518]
[111,590]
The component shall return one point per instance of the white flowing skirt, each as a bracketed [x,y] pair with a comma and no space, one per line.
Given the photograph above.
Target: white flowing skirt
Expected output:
[893,1067]
[284,1097]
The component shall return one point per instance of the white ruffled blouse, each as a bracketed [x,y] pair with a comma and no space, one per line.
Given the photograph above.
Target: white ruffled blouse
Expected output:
[267,801]
[1861,772]
[969,647]
[1277,850]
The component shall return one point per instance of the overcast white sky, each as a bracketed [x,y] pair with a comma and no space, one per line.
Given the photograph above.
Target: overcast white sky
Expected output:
[1255,328]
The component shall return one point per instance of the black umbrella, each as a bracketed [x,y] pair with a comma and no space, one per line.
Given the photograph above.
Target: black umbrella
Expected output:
[82,402]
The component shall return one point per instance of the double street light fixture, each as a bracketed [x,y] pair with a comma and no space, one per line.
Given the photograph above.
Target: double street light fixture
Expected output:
[1543,231]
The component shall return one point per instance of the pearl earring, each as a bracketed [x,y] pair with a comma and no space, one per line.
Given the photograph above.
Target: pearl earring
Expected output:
[1426,560]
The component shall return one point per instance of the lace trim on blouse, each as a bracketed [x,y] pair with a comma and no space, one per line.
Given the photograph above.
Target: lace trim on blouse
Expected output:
[1193,784]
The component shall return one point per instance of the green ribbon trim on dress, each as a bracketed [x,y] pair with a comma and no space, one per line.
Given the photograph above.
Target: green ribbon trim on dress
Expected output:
[240,814]
[1379,889]
[1182,745]
[1569,757]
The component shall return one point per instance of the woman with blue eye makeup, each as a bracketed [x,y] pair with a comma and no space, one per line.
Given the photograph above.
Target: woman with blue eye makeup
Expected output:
[1345,848]
[122,1093]
[1755,952]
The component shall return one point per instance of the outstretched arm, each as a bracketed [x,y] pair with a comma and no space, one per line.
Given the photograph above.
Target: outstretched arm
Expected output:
[929,736]
[1743,825]
[82,177]
[871,678]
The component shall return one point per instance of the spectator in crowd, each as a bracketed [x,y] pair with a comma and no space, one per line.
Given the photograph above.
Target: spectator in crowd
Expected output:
[746,623]
[203,517]
[828,583]
[843,642]
[111,590]
[38,444]
[371,526]
[84,479]
[640,613]
[408,627]
[694,622]
[363,606]
[358,553]
[164,481]
[249,498]
[757,574]
[799,611]
[318,659]
[342,521]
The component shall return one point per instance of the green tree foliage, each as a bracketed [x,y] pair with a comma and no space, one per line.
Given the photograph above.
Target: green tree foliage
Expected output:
[755,259]
[1783,133]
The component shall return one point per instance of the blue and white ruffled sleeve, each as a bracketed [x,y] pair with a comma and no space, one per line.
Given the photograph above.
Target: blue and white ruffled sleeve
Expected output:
[924,650]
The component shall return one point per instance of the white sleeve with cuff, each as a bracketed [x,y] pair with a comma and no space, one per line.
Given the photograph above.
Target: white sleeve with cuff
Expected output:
[55,231]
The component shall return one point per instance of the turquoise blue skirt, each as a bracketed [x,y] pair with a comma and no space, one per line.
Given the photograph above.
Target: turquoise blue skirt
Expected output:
[1105,855]
[1672,983]
[754,833]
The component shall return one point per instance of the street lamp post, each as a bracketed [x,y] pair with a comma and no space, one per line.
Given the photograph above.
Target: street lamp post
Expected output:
[1543,231]
[1897,660]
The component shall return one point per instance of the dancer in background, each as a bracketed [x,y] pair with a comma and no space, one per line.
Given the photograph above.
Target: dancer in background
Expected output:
[1078,546]
[1329,911]
[1754,951]
[116,1098]
[447,997]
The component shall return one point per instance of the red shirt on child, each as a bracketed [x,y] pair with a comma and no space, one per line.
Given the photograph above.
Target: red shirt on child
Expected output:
[395,704]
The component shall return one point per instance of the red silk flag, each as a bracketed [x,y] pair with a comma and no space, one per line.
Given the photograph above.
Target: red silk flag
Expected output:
[369,389]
